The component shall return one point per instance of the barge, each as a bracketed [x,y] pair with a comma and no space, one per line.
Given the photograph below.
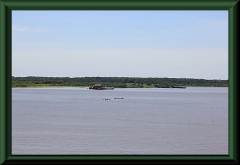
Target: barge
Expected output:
[100,87]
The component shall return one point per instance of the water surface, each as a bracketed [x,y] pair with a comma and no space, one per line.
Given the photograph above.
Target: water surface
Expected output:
[48,121]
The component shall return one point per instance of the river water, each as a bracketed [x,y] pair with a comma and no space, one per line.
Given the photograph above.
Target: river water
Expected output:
[155,121]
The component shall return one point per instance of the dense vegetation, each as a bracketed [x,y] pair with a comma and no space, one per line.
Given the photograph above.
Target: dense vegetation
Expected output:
[117,82]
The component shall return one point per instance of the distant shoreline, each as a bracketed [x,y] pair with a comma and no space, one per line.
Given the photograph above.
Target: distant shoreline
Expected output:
[119,88]
[116,82]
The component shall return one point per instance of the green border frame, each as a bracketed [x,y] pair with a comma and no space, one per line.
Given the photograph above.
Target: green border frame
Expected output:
[6,7]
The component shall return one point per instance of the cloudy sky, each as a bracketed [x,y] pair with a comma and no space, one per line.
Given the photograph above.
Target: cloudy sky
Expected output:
[179,44]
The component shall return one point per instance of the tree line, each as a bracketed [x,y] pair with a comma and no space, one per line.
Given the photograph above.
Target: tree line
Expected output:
[117,82]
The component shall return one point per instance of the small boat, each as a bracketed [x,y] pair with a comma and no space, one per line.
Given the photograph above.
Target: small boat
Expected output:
[172,87]
[114,98]
[100,87]
[179,87]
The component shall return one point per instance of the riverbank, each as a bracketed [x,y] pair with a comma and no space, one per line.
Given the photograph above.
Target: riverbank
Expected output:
[116,87]
[49,86]
[116,82]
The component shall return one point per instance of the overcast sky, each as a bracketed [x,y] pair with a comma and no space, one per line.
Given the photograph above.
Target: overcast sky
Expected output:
[179,44]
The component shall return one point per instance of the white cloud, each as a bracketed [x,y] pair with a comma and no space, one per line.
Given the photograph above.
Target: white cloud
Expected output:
[201,63]
[28,29]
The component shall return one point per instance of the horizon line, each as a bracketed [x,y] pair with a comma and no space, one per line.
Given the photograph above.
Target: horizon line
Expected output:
[118,77]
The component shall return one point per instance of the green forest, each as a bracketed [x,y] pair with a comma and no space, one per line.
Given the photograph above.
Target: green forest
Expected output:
[117,82]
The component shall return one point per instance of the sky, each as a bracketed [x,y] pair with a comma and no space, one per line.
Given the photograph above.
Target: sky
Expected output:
[174,44]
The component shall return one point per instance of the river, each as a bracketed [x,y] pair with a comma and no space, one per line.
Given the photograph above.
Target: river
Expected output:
[130,121]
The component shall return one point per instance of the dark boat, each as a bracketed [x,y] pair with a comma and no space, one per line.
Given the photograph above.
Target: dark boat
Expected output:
[172,87]
[100,87]
[178,87]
